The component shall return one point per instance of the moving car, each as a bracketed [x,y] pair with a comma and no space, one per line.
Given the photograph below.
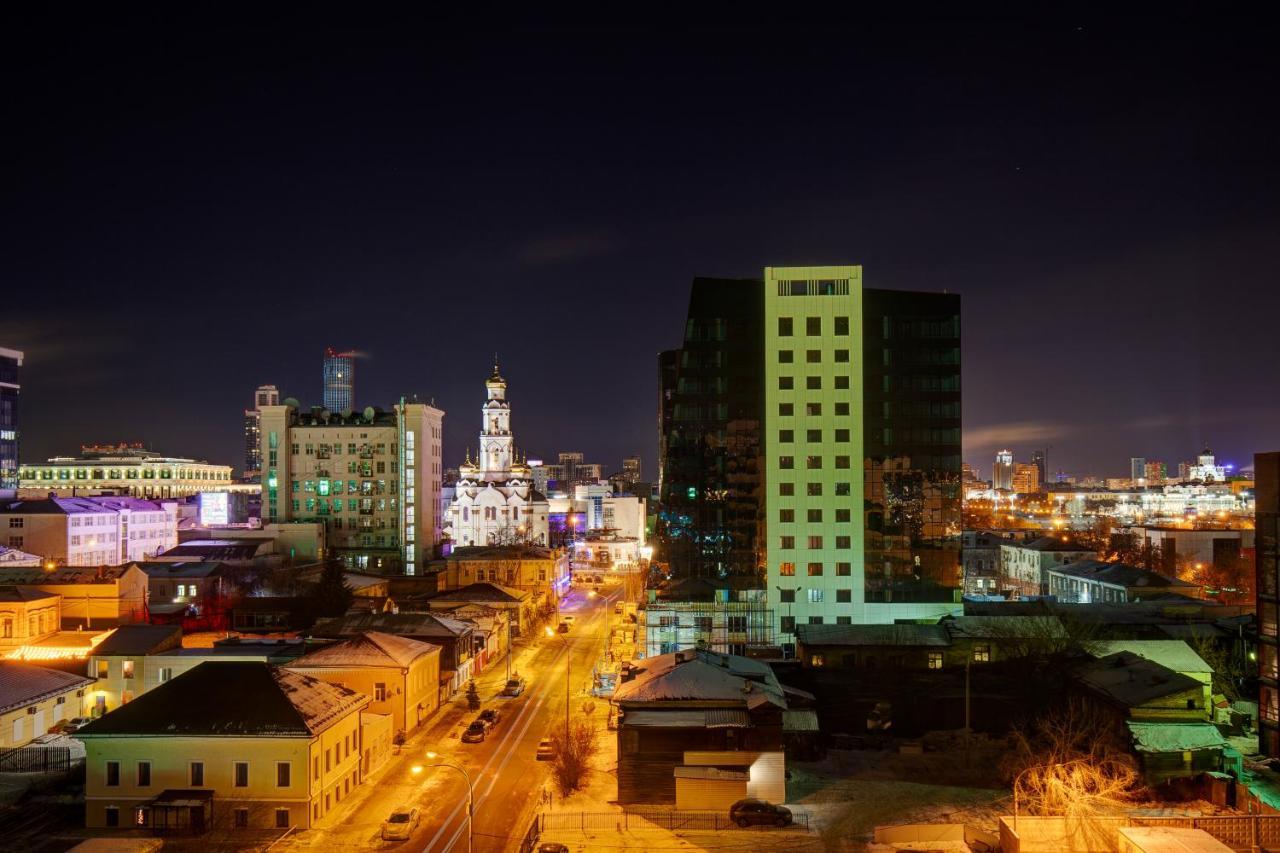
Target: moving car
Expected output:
[515,686]
[400,825]
[562,628]
[568,618]
[475,732]
[753,812]
[546,752]
[490,717]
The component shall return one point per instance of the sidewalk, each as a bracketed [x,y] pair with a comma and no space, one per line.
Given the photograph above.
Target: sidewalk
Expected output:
[440,734]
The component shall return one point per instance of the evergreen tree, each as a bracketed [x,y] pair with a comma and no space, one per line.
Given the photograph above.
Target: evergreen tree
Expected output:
[332,596]
[473,696]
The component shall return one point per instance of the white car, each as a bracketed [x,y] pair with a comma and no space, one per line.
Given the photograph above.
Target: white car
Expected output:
[400,825]
[568,619]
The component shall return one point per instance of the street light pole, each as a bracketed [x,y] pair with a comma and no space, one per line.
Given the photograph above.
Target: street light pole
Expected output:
[471,811]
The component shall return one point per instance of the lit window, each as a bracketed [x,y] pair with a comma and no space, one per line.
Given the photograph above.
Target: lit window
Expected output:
[935,660]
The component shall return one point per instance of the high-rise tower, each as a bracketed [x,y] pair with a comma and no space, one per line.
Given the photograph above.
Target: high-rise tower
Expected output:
[339,380]
[266,395]
[10,365]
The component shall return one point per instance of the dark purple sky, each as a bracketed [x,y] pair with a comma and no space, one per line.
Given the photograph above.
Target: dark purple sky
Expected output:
[191,215]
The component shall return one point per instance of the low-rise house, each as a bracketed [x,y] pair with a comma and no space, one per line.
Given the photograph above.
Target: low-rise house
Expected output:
[402,675]
[1024,566]
[1086,581]
[891,647]
[93,597]
[196,589]
[34,698]
[454,637]
[1133,688]
[16,558]
[986,639]
[700,729]
[226,744]
[270,614]
[88,531]
[542,572]
[1174,655]
[517,603]
[27,616]
[123,665]
[1176,751]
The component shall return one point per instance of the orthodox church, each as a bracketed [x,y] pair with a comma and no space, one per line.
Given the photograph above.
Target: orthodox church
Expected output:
[495,502]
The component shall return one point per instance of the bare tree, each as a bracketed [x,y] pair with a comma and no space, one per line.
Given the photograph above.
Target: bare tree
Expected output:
[1070,762]
[573,756]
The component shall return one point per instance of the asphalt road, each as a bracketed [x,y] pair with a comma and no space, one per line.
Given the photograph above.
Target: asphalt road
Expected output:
[504,770]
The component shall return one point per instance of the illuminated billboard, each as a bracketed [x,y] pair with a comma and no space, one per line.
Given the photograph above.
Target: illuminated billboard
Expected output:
[214,509]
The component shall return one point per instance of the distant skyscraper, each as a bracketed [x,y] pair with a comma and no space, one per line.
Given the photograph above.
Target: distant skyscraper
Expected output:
[266,395]
[10,363]
[339,380]
[1002,473]
[1026,478]
[1266,475]
[631,468]
[1157,473]
[1040,459]
[1137,468]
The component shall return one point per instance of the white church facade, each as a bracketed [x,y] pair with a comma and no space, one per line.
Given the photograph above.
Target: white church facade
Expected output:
[495,502]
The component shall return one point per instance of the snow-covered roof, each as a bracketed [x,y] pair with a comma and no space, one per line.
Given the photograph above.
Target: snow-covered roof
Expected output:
[698,675]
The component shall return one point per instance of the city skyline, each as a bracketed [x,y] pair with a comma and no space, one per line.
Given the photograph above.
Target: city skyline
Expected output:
[1117,180]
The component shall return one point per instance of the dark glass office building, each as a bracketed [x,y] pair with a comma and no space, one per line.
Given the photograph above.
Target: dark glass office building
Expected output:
[810,437]
[709,435]
[911,445]
[10,386]
[1266,478]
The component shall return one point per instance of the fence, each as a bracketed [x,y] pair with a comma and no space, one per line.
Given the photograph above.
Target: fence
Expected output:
[642,819]
[35,759]
[1035,834]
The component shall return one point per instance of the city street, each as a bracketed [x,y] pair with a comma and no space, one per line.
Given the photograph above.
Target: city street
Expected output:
[507,778]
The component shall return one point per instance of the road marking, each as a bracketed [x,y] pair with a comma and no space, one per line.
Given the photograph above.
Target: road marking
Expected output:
[493,778]
[461,807]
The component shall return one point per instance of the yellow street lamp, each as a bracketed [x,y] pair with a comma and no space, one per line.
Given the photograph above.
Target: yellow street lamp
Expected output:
[471,812]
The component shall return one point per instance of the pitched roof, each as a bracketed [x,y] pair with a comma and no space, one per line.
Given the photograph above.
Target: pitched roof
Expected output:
[21,683]
[140,640]
[369,648]
[1174,654]
[701,675]
[22,593]
[232,699]
[482,591]
[1006,627]
[500,552]
[1175,737]
[1132,681]
[1119,574]
[186,569]
[34,576]
[218,549]
[402,624]
[873,635]
[1048,543]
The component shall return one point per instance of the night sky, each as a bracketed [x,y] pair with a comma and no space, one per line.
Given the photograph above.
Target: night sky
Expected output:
[190,215]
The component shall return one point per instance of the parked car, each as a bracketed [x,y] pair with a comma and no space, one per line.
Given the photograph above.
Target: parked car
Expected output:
[546,752]
[563,628]
[568,618]
[753,812]
[553,847]
[68,726]
[400,825]
[515,686]
[475,732]
[490,717]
